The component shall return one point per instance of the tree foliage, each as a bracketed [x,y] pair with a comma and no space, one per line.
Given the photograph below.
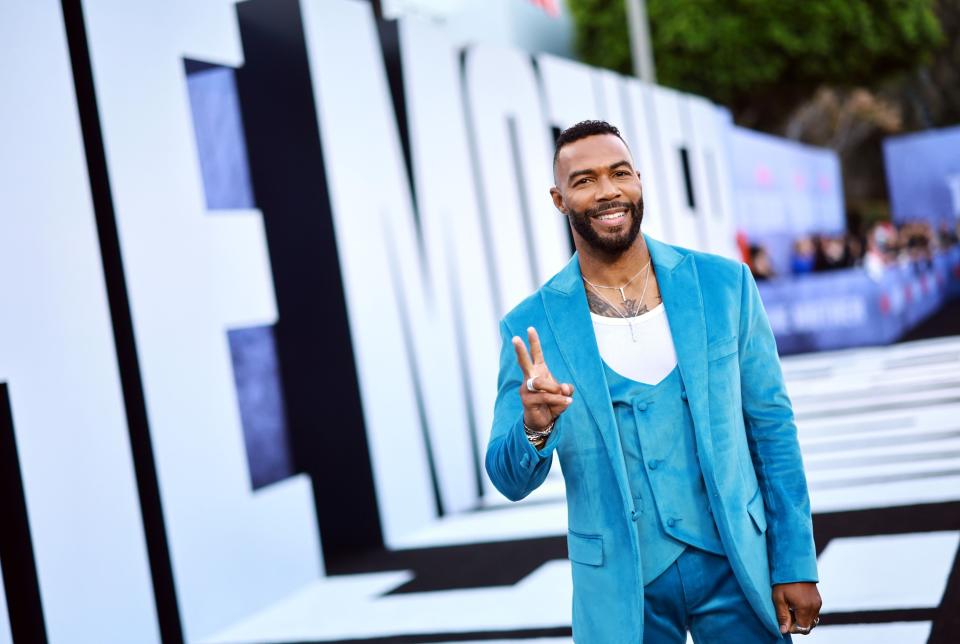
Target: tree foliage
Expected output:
[739,52]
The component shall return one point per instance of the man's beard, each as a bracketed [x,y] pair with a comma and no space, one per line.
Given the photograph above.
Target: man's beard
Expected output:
[613,245]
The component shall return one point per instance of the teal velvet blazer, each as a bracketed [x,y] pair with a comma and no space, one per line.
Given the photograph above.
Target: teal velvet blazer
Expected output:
[745,435]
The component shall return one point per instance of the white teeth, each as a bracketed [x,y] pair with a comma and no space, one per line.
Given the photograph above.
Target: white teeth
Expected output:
[611,216]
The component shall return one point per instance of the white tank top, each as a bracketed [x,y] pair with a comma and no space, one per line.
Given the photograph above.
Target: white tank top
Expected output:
[640,348]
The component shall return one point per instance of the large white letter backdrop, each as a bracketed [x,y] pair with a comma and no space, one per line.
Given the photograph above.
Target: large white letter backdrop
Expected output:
[57,355]
[190,278]
[438,234]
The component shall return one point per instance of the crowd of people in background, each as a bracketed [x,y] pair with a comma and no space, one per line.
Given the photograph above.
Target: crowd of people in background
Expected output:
[882,245]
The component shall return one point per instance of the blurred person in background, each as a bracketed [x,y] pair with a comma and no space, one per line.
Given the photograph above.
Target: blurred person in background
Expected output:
[760,264]
[918,243]
[832,253]
[854,250]
[947,234]
[804,256]
[879,255]
[687,499]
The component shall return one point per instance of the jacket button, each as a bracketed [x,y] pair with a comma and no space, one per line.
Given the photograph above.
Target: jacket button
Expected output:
[642,406]
[683,394]
[634,515]
[653,463]
[671,522]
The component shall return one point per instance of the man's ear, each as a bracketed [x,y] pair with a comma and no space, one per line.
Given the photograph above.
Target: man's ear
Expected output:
[557,199]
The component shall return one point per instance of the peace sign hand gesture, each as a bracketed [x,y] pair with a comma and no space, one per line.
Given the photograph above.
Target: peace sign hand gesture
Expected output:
[550,398]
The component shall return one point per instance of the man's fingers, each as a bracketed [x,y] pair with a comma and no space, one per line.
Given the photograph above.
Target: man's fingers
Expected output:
[803,617]
[523,358]
[547,384]
[784,618]
[551,400]
[536,352]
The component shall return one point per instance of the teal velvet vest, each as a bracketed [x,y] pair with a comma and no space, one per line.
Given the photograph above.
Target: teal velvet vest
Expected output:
[659,449]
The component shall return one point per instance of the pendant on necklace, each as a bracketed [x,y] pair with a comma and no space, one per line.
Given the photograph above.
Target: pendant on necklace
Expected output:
[635,331]
[623,298]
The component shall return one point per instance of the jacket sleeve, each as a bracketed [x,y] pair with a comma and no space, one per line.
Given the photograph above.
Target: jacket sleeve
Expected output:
[515,467]
[772,437]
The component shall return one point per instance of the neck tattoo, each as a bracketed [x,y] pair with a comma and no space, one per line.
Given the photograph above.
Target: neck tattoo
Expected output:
[602,306]
[623,297]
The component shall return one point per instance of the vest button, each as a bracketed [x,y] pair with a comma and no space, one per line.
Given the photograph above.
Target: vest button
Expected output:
[671,522]
[653,463]
[683,394]
[634,515]
[642,406]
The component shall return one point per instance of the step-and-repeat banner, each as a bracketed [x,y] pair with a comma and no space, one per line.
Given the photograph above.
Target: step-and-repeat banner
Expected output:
[923,175]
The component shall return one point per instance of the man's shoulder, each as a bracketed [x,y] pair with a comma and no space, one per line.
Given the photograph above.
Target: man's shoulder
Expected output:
[711,264]
[530,311]
[527,313]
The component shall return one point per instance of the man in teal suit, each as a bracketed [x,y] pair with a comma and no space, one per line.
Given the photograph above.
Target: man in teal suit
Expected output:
[664,398]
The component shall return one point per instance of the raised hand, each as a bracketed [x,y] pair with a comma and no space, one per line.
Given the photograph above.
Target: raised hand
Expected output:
[540,407]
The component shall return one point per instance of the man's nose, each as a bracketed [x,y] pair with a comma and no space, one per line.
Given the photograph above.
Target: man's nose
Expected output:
[607,189]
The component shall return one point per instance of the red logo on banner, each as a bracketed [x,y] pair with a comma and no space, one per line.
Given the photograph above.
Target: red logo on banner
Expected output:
[763,175]
[550,6]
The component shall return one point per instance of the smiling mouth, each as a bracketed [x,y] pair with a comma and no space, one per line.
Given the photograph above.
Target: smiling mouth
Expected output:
[611,216]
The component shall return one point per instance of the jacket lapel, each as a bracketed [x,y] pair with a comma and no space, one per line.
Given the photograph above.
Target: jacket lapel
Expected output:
[680,290]
[568,314]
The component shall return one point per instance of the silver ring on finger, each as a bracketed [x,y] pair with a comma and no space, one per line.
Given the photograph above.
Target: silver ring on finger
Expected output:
[802,630]
[530,386]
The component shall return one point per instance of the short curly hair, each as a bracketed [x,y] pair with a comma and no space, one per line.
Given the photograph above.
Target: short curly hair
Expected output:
[582,130]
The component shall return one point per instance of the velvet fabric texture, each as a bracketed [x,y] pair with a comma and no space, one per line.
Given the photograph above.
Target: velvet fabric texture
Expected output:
[663,471]
[744,427]
[700,592]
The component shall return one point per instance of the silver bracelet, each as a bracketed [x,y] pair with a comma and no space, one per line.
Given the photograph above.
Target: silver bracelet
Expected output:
[537,435]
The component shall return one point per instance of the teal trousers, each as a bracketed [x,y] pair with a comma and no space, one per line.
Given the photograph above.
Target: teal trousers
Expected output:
[699,593]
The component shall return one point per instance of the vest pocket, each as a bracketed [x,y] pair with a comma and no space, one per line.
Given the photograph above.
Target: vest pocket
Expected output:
[757,513]
[584,548]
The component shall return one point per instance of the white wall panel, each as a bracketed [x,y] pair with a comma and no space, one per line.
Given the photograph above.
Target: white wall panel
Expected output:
[711,177]
[515,162]
[640,127]
[233,550]
[568,91]
[397,291]
[672,135]
[57,353]
[608,87]
[457,244]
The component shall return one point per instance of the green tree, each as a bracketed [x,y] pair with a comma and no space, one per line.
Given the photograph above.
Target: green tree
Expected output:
[762,57]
